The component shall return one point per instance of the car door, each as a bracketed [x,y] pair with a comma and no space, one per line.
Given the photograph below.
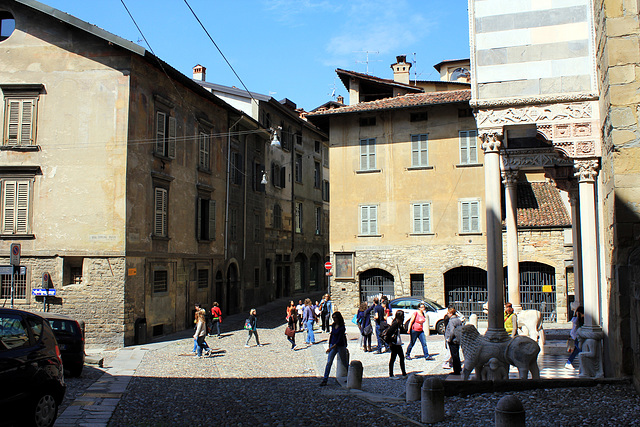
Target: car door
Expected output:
[15,366]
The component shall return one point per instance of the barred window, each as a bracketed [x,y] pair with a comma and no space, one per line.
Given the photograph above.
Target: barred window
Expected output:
[20,285]
[203,278]
[160,281]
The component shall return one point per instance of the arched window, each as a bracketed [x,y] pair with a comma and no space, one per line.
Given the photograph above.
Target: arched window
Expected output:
[460,73]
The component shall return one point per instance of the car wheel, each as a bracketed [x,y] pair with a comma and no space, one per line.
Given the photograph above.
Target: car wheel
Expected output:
[440,327]
[45,411]
[76,370]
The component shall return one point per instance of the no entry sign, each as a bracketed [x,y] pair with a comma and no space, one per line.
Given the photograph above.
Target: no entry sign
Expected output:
[328,265]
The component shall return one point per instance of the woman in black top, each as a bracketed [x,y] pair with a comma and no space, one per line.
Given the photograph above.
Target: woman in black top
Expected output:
[395,342]
[253,321]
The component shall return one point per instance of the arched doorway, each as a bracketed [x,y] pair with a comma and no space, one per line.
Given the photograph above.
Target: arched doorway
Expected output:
[374,283]
[466,289]
[538,289]
[233,292]
[300,269]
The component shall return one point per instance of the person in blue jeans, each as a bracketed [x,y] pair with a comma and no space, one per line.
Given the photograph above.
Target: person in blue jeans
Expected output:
[578,321]
[378,314]
[308,318]
[337,344]
[419,321]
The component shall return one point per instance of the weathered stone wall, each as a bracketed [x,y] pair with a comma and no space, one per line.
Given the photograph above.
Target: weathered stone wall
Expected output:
[618,60]
[544,246]
[98,300]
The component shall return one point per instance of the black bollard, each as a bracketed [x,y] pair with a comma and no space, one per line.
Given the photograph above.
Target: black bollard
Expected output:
[432,403]
[509,412]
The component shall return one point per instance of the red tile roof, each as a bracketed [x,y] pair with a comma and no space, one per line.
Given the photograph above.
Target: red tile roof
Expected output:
[404,101]
[540,205]
[343,73]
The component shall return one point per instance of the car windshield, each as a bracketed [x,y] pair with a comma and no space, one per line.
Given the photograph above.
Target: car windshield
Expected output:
[61,326]
[434,304]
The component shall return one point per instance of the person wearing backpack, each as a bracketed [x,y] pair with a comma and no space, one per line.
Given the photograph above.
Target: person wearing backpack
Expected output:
[452,339]
[416,326]
[337,344]
[392,337]
[367,326]
[252,327]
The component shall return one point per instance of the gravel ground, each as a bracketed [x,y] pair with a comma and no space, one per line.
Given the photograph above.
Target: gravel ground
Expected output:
[272,385]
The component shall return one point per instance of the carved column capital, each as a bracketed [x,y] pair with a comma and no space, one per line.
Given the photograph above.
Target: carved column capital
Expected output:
[586,170]
[509,177]
[491,139]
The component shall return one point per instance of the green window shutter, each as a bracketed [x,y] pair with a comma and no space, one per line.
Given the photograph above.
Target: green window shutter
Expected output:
[426,218]
[473,146]
[171,142]
[212,219]
[465,217]
[373,220]
[417,215]
[464,148]
[160,132]
[9,206]
[474,216]
[364,220]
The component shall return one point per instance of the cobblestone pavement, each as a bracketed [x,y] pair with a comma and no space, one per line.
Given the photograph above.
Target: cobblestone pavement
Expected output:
[273,385]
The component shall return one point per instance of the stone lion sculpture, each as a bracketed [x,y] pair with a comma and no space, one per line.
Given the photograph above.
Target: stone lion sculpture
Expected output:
[520,351]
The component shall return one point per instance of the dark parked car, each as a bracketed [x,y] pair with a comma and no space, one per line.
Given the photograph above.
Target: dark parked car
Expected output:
[70,335]
[31,373]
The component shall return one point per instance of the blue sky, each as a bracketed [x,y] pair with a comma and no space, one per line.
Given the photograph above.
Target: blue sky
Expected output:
[288,48]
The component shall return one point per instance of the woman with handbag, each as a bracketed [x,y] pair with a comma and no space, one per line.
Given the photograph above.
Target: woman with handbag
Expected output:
[290,330]
[367,327]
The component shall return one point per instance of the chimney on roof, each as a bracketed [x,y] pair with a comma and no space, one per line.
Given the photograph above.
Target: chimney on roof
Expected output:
[340,99]
[401,69]
[199,72]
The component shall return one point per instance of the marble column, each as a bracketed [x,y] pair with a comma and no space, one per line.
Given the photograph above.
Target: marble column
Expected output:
[510,181]
[491,143]
[591,333]
[577,257]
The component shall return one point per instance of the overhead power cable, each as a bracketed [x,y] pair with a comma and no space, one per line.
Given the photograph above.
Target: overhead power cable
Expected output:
[219,50]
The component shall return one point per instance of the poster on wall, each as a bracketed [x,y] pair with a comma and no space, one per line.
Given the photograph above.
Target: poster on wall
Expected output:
[344,265]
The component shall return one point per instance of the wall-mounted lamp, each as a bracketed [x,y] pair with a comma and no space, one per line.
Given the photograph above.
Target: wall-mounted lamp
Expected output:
[275,142]
[264,178]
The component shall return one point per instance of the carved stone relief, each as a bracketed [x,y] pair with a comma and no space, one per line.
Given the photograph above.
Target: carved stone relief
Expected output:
[534,114]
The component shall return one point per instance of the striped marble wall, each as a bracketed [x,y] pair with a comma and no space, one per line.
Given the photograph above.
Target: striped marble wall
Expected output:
[529,48]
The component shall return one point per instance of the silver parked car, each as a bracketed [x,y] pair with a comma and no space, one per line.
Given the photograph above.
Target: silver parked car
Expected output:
[435,312]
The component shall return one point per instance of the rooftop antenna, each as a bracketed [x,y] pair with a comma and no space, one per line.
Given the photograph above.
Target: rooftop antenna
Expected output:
[367,61]
[333,89]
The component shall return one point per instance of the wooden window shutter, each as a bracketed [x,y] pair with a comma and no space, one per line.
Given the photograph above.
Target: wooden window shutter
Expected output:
[26,125]
[473,147]
[415,150]
[9,206]
[199,219]
[426,218]
[364,162]
[464,149]
[171,143]
[373,219]
[364,220]
[417,223]
[161,199]
[160,132]
[22,207]
[283,177]
[212,219]
[13,121]
[474,216]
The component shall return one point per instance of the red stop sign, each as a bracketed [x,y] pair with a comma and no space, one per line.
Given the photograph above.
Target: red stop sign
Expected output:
[328,265]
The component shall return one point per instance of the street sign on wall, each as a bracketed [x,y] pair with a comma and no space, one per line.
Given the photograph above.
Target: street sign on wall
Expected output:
[8,269]
[15,254]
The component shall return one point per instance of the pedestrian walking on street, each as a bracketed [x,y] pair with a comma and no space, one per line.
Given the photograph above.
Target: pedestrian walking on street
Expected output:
[291,309]
[337,344]
[290,331]
[195,326]
[201,333]
[300,308]
[395,341]
[416,327]
[364,323]
[577,320]
[378,315]
[216,317]
[452,339]
[253,327]
[326,311]
[308,319]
